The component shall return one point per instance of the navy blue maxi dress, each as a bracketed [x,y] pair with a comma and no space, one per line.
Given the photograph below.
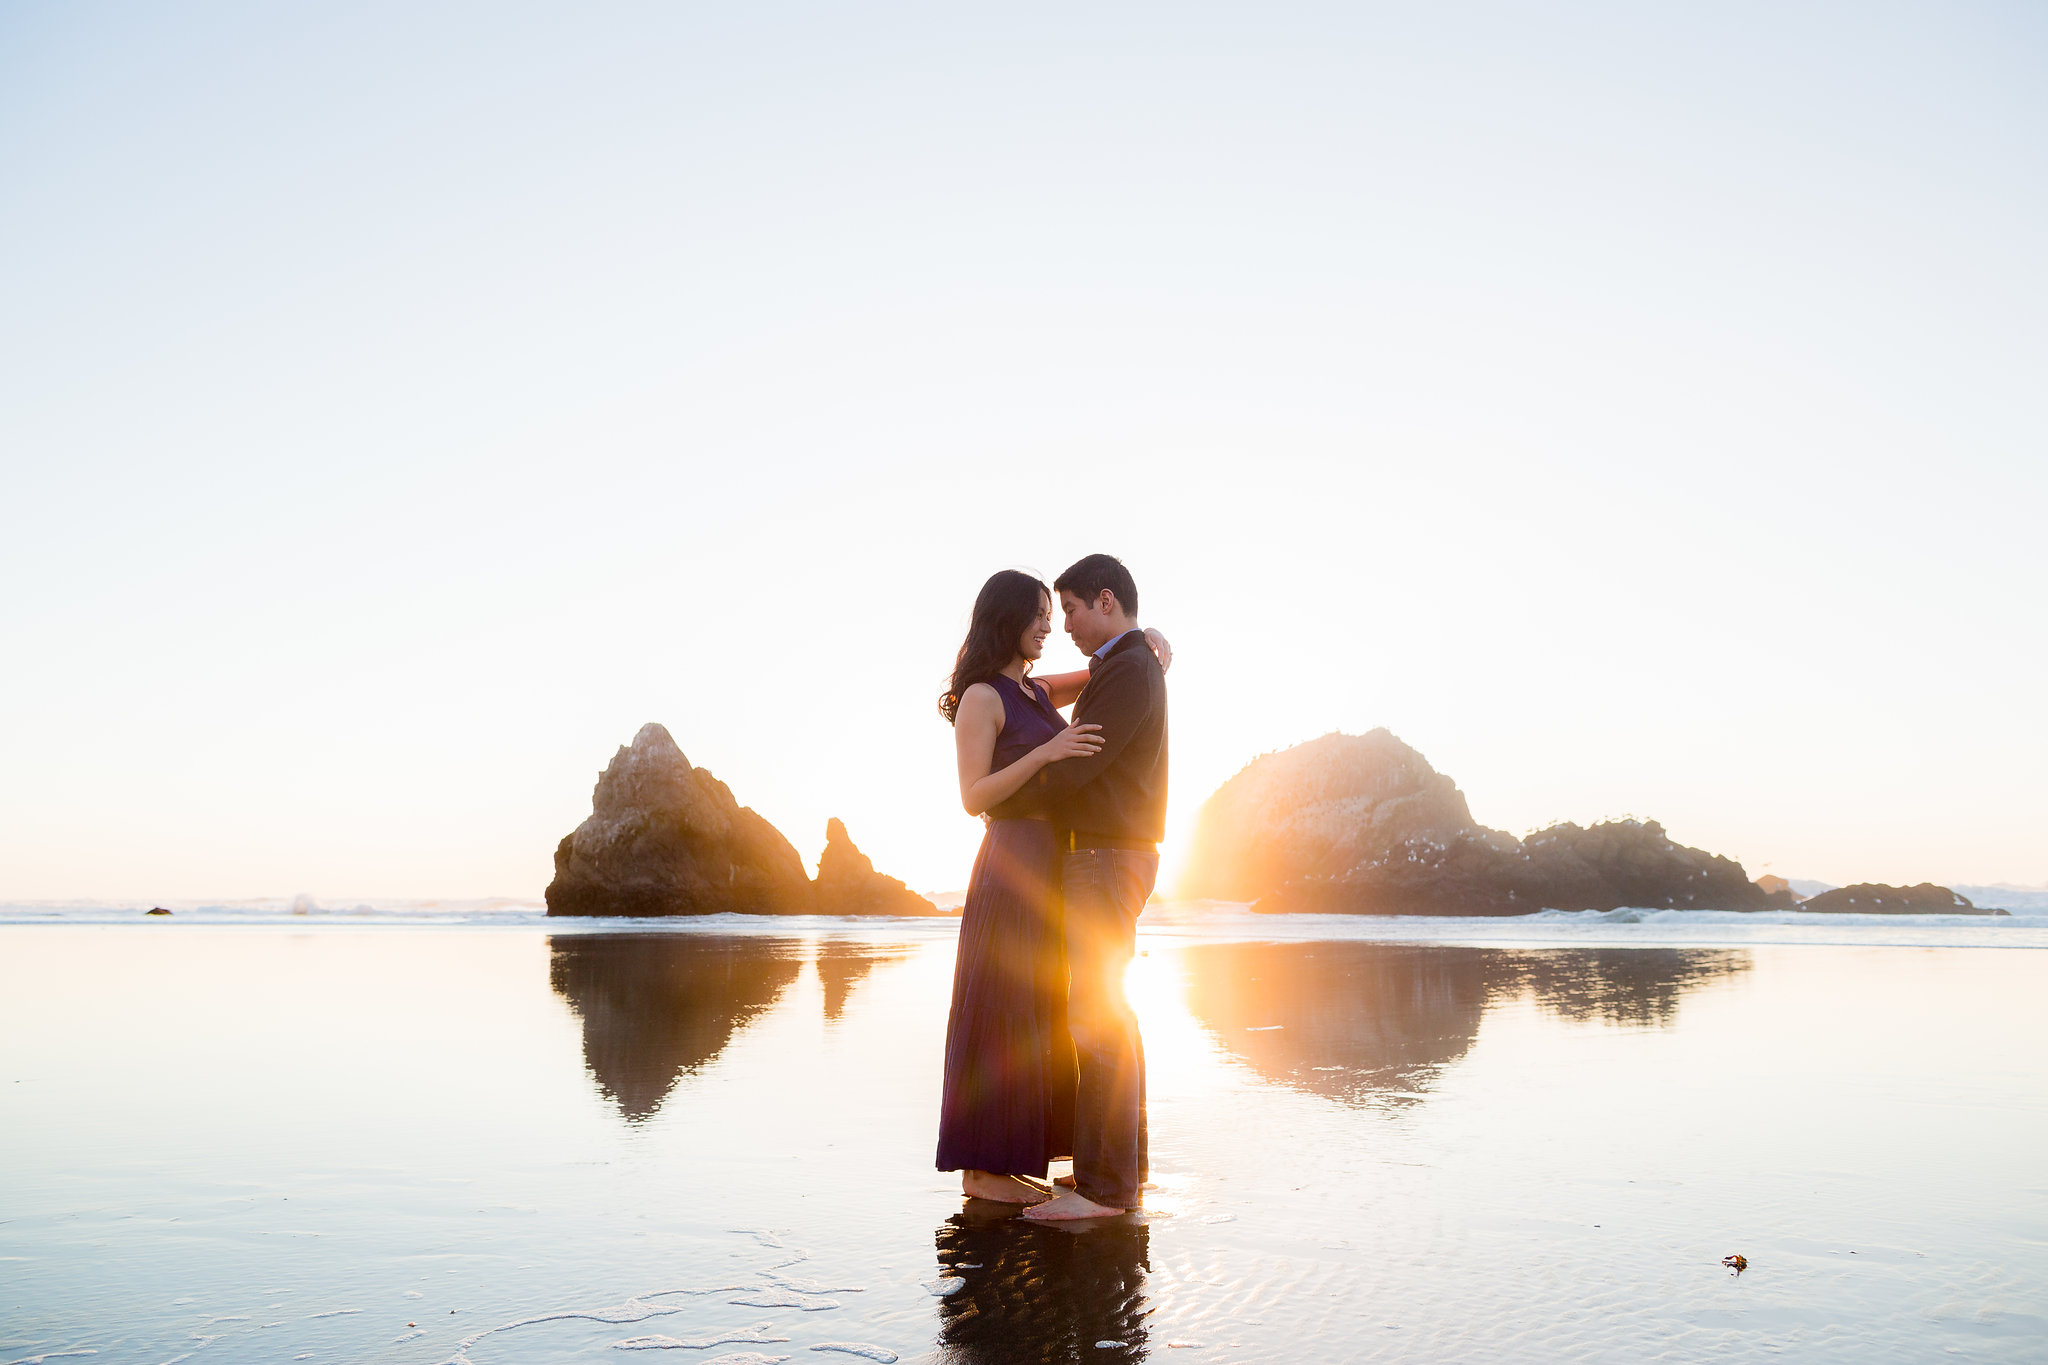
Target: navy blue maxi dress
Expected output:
[1008,1101]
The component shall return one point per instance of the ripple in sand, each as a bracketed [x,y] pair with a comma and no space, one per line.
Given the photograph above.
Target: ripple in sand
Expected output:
[745,1336]
[810,1286]
[785,1298]
[859,1348]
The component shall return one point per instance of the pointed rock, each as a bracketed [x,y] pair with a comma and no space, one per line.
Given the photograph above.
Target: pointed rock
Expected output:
[849,885]
[664,838]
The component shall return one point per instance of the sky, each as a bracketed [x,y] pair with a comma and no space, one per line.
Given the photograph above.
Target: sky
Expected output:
[1636,408]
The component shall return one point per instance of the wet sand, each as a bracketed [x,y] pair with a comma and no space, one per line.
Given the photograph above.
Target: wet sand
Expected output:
[501,1145]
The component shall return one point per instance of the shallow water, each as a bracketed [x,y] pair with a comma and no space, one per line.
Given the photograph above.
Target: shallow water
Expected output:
[415,1143]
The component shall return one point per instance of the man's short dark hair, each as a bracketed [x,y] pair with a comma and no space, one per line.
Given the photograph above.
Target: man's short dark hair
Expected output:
[1087,577]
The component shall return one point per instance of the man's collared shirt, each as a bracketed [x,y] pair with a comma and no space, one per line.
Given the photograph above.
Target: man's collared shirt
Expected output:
[1103,653]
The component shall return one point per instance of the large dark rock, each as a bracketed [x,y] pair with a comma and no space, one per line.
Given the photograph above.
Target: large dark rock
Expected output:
[1319,810]
[1872,898]
[1362,824]
[849,885]
[664,838]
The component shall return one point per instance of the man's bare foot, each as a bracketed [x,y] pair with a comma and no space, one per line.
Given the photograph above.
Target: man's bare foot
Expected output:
[1003,1189]
[1067,1206]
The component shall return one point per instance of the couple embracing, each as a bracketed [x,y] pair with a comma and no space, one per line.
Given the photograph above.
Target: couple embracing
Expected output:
[1043,1057]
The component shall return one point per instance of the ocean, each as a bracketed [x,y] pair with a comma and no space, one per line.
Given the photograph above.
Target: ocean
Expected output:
[459,1132]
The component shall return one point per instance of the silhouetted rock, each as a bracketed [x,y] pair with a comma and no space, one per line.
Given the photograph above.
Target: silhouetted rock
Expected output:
[1319,810]
[849,885]
[156,910]
[1362,824]
[1872,898]
[664,838]
[2014,900]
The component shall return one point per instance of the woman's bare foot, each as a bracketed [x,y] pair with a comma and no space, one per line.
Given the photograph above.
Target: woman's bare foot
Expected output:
[1068,1205]
[1065,1182]
[1003,1189]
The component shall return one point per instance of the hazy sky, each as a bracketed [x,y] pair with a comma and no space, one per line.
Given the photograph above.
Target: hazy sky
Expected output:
[1639,408]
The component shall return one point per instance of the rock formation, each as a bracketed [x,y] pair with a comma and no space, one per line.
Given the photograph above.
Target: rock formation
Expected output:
[1362,824]
[1872,898]
[1319,810]
[666,838]
[849,885]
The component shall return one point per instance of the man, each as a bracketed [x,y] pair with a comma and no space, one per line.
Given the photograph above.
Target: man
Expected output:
[1111,807]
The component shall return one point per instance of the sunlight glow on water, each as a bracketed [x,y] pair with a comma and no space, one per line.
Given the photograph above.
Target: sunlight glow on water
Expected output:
[501,1146]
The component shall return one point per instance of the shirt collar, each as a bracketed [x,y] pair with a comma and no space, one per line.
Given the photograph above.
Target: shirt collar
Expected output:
[1103,653]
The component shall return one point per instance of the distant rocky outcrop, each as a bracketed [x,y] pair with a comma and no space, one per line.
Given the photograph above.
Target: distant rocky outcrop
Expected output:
[667,838]
[2014,900]
[1362,824]
[1872,898]
[848,884]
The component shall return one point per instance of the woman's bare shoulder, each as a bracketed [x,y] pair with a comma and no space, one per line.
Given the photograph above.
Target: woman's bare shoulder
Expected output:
[981,699]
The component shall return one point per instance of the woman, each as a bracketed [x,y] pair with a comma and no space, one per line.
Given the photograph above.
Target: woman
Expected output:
[1008,1102]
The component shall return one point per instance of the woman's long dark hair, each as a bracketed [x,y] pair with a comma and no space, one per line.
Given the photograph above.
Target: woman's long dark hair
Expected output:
[1004,609]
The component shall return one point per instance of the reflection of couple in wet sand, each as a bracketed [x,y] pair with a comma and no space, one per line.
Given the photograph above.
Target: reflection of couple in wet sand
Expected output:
[1043,1057]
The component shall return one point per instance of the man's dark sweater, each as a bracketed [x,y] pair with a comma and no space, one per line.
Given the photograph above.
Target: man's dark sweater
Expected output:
[1118,792]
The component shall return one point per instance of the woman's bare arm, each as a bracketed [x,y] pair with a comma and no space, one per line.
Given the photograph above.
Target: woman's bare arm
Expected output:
[975,728]
[1063,687]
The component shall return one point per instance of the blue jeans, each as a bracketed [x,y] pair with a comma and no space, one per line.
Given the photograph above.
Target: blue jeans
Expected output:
[1105,889]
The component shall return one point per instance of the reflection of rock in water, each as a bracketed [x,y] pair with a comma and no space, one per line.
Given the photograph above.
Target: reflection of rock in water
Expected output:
[1628,986]
[1387,1016]
[1369,1023]
[842,965]
[1034,1293]
[655,1006]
